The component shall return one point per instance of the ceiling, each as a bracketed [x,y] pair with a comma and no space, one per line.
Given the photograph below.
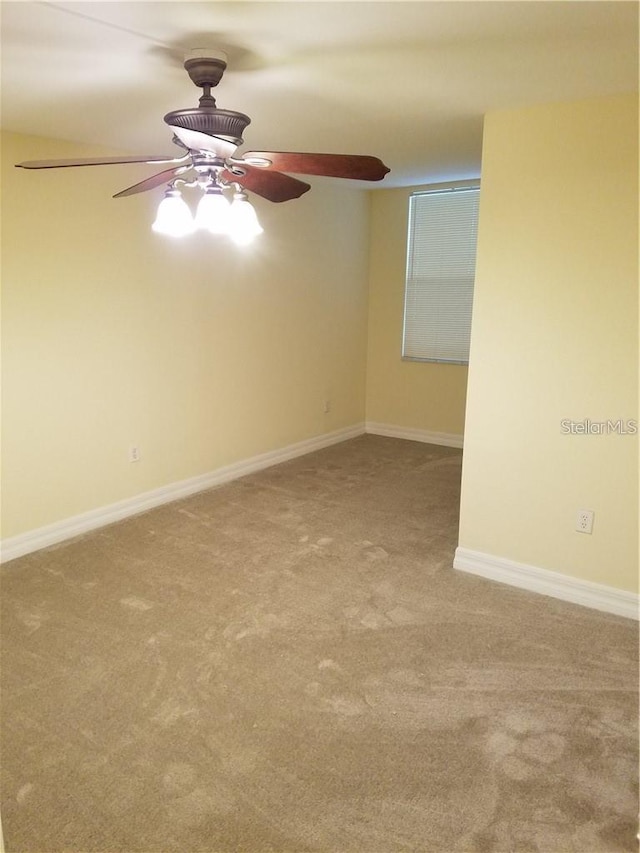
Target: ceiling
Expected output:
[406,81]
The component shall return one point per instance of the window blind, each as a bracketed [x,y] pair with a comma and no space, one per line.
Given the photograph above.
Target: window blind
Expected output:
[441,255]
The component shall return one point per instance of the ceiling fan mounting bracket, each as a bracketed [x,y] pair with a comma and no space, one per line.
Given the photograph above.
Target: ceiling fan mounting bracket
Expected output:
[205,67]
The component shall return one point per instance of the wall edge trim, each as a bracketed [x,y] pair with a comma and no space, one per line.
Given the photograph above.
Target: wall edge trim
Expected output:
[445,439]
[586,593]
[68,528]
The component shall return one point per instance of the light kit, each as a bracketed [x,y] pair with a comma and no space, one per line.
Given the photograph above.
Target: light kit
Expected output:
[215,213]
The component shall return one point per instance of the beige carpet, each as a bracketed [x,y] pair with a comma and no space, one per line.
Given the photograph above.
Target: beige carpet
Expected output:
[288,663]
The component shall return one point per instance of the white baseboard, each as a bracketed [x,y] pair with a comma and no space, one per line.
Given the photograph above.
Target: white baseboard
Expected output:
[52,534]
[588,594]
[444,439]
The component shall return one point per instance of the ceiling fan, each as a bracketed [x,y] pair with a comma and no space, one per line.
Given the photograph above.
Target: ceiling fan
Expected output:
[209,138]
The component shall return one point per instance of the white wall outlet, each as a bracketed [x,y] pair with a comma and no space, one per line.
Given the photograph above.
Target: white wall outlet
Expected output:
[134,453]
[584,521]
[326,406]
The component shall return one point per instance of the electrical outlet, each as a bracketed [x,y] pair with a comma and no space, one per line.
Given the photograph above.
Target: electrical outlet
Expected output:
[584,521]
[134,453]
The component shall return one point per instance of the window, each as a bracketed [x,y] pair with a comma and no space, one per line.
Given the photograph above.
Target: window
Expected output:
[441,259]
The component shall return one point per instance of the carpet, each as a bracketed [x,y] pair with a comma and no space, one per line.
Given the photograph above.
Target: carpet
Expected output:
[288,663]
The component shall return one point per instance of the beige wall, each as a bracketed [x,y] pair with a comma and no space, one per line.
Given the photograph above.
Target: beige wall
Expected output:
[417,395]
[197,351]
[554,336]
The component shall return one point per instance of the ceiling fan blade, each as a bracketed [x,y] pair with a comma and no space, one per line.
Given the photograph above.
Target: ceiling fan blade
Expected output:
[198,141]
[357,166]
[98,161]
[152,182]
[274,186]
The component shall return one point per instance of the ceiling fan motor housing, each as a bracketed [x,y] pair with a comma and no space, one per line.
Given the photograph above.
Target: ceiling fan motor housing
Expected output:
[224,123]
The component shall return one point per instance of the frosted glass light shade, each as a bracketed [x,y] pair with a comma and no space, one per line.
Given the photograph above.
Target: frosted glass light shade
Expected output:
[243,221]
[212,213]
[173,217]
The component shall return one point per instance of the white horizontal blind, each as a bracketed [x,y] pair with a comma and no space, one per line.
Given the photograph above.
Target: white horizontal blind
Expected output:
[441,260]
